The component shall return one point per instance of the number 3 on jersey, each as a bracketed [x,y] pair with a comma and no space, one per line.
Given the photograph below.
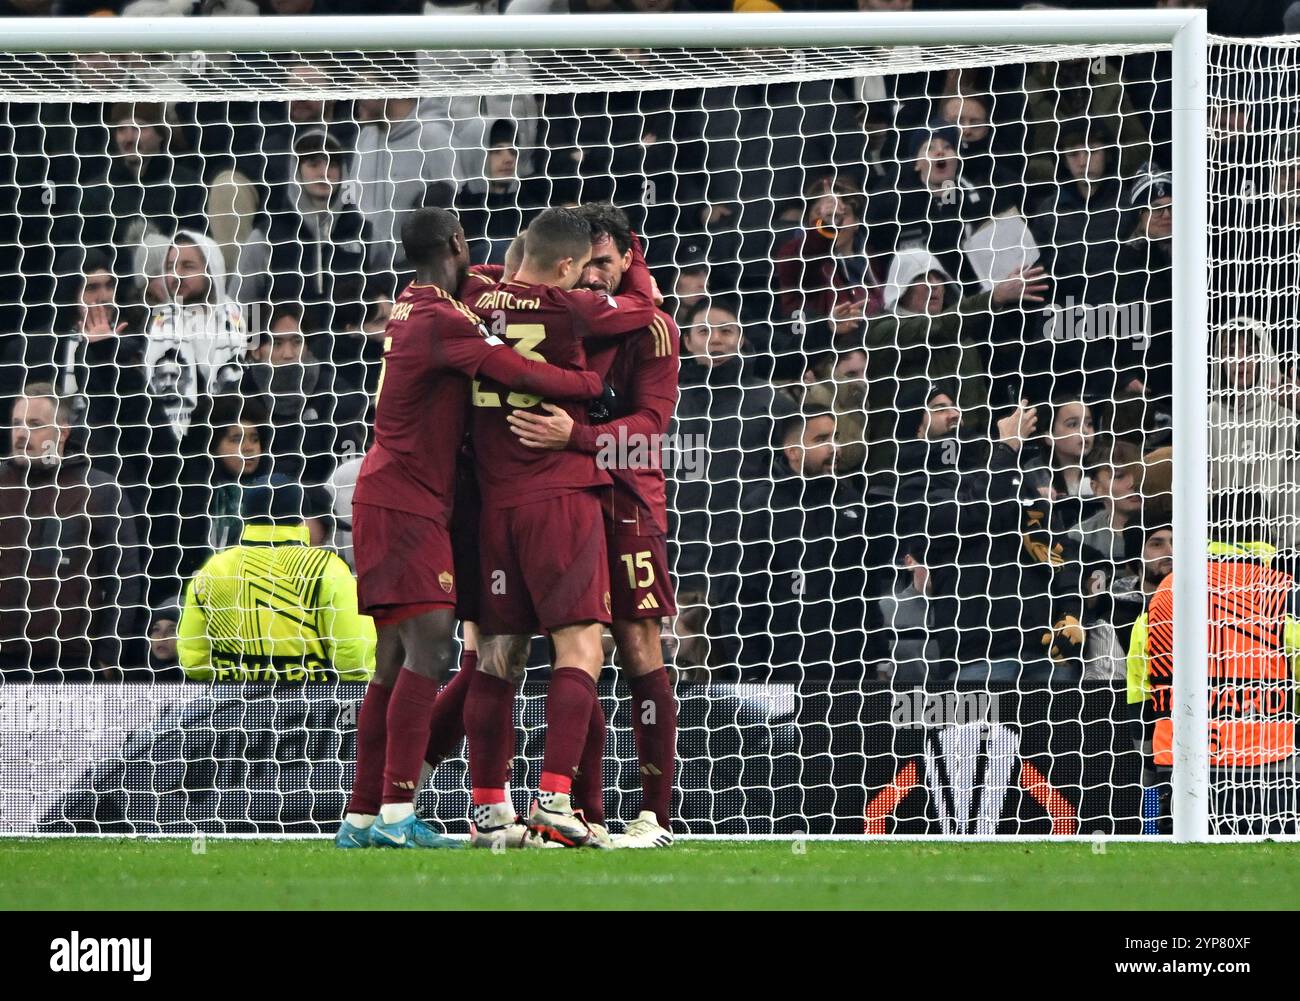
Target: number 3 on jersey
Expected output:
[526,337]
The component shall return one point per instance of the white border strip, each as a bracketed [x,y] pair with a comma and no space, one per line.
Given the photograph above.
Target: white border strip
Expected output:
[573,31]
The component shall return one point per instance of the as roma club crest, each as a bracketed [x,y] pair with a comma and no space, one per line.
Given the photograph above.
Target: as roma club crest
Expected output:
[445,581]
[607,612]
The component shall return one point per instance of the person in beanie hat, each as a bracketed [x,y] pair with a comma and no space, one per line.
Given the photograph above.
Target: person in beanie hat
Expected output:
[1149,194]
[1143,354]
[927,411]
[318,242]
[163,659]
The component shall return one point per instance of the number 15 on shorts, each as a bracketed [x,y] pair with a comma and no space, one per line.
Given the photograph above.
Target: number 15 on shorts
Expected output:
[636,564]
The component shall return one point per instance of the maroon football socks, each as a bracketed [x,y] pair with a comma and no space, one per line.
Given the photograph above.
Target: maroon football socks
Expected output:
[568,715]
[410,710]
[447,727]
[589,783]
[654,725]
[372,741]
[490,725]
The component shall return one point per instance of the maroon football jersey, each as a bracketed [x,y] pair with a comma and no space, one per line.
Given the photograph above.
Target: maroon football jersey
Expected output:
[642,369]
[431,344]
[543,323]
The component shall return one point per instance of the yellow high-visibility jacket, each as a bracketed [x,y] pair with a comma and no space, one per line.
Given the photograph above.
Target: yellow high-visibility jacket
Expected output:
[273,608]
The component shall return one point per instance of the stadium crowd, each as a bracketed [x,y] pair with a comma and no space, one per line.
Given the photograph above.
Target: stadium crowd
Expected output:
[927,337]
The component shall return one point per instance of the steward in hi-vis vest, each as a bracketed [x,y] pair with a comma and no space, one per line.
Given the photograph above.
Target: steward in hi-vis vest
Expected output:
[1254,648]
[273,608]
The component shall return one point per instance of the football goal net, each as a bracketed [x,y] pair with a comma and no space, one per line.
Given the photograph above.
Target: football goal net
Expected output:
[981,478]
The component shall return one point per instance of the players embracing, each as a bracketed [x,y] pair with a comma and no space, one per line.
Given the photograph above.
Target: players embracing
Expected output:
[544,559]
[546,511]
[402,509]
[642,369]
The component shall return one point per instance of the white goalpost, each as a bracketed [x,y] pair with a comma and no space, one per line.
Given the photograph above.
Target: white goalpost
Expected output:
[764,751]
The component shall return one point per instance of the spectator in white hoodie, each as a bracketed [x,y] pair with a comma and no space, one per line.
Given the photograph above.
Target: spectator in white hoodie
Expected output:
[931,333]
[343,485]
[197,338]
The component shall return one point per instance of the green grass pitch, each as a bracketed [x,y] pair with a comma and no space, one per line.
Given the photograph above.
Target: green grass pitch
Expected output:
[164,874]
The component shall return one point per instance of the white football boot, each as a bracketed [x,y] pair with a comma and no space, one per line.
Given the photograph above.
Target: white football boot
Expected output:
[644,832]
[600,836]
[552,818]
[496,826]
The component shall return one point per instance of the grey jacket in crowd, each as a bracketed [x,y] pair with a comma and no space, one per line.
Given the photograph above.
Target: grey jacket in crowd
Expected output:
[392,167]
[908,621]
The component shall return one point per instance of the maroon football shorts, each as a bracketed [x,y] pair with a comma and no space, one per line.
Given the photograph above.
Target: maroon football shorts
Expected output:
[465,542]
[404,563]
[543,565]
[639,585]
